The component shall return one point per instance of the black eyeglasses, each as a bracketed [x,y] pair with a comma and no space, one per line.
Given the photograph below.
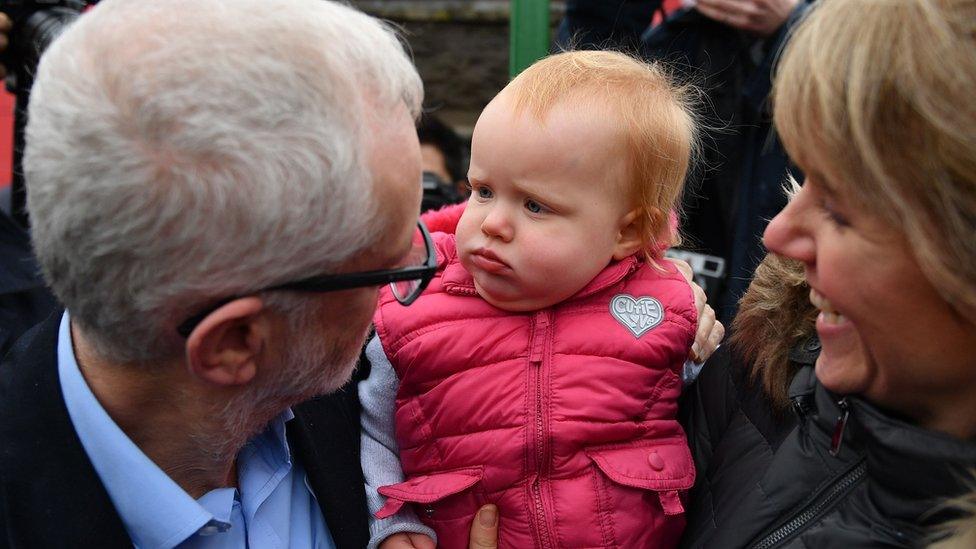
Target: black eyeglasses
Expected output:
[407,283]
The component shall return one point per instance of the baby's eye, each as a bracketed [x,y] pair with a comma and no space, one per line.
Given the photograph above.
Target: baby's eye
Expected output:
[483,192]
[534,207]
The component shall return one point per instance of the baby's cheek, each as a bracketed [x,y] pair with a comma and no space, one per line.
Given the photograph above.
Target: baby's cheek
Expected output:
[464,230]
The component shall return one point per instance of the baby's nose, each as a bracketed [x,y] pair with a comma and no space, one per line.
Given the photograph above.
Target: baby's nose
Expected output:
[498,224]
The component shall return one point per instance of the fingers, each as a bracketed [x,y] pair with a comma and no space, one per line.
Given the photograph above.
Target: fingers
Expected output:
[715,338]
[683,267]
[762,17]
[5,25]
[706,323]
[397,541]
[484,529]
[708,337]
[710,331]
[421,541]
[733,13]
[700,299]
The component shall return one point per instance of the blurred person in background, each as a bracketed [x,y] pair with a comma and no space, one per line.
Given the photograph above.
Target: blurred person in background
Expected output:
[729,48]
[445,163]
[606,24]
[24,298]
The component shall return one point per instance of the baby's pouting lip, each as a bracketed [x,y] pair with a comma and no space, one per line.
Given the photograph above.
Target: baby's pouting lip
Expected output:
[489,261]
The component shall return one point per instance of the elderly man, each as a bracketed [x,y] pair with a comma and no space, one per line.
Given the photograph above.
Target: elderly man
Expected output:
[217,189]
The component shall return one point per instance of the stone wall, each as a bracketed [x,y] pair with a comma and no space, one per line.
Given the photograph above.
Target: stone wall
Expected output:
[460,48]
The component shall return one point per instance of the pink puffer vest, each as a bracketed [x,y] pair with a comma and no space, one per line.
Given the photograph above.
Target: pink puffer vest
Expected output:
[563,417]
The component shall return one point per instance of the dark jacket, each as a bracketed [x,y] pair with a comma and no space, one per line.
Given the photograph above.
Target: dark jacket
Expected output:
[737,187]
[768,480]
[605,24]
[50,496]
[24,299]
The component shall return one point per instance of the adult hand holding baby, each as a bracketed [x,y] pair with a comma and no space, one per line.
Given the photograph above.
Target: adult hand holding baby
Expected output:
[408,540]
[710,331]
[484,534]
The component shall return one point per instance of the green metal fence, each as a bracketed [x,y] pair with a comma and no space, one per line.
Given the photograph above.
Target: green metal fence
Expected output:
[528,34]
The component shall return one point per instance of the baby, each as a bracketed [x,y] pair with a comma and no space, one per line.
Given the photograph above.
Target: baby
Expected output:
[540,370]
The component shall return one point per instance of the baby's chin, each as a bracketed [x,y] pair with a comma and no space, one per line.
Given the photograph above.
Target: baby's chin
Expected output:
[508,299]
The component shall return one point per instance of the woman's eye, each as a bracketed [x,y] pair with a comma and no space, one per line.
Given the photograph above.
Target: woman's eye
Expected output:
[833,215]
[534,206]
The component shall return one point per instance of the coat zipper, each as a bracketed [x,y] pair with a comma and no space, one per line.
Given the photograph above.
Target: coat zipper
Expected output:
[537,358]
[833,495]
[838,435]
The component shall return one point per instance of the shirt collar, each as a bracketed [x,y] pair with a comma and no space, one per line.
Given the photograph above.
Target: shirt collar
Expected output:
[155,511]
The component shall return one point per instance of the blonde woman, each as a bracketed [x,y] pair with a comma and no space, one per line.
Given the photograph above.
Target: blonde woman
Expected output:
[844,414]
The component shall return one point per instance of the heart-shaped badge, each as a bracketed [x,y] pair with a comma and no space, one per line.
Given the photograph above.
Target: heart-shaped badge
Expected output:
[637,314]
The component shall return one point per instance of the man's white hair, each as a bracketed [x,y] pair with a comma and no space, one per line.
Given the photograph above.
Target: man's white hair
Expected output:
[184,151]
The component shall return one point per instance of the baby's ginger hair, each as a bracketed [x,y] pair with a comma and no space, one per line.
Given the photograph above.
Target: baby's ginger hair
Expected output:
[656,121]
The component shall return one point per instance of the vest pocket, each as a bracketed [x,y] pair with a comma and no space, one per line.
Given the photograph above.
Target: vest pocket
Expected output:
[439,496]
[447,501]
[664,467]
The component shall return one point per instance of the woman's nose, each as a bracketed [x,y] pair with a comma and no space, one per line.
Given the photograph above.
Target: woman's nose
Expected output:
[498,224]
[789,235]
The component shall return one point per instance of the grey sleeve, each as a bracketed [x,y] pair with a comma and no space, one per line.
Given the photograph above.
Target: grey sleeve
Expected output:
[380,456]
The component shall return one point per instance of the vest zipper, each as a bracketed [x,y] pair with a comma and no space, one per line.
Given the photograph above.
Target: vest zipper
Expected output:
[537,357]
[833,495]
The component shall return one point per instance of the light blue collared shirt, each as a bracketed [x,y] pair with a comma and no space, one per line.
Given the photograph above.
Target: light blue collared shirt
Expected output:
[273,506]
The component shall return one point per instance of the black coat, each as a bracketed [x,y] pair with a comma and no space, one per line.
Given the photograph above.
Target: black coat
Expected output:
[770,481]
[24,299]
[50,496]
[605,24]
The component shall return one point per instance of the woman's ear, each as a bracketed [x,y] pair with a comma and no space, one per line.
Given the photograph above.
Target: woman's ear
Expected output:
[225,348]
[629,238]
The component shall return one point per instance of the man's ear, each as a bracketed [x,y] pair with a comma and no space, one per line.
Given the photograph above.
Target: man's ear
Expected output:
[629,239]
[225,347]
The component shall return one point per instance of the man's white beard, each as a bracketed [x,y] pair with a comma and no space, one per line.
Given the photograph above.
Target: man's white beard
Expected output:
[314,365]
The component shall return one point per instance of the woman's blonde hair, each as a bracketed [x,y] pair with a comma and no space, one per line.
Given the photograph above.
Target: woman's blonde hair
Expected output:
[655,115]
[959,533]
[878,96]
